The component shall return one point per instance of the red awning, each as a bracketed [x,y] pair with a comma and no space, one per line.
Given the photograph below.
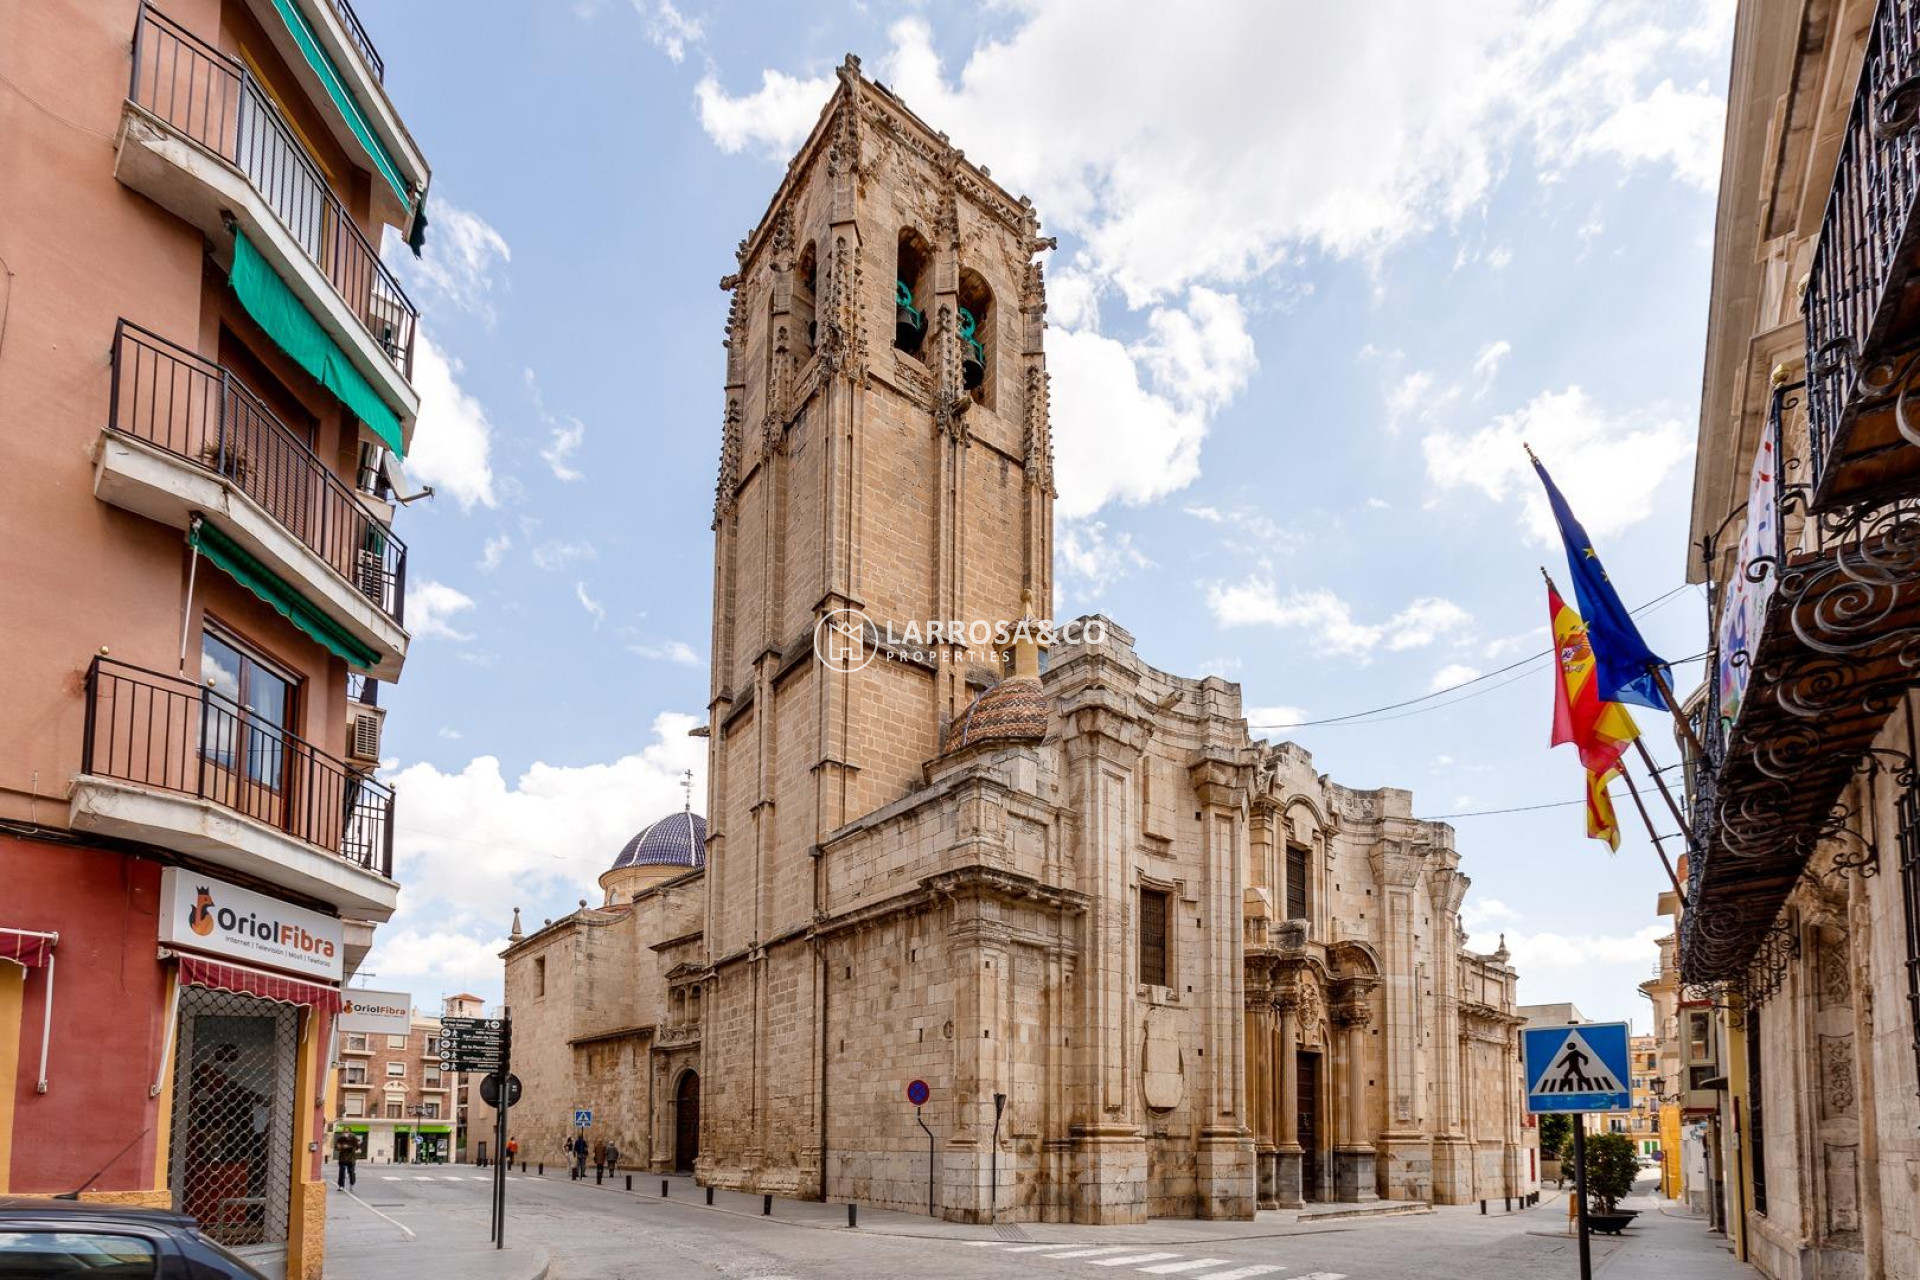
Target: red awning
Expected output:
[26,947]
[238,978]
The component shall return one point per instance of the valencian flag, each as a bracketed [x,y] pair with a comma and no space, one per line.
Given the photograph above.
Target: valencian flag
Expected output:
[1623,662]
[1600,730]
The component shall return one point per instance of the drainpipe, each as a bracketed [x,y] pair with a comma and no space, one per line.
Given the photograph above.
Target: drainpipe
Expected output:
[993,1159]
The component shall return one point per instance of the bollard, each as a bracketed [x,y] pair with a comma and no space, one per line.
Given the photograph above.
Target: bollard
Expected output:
[766,1206]
[523,1167]
[543,1168]
[629,1182]
[1483,1208]
[1509,1204]
[709,1195]
[853,1215]
[663,1188]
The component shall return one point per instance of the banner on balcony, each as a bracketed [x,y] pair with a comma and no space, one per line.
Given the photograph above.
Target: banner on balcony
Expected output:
[1744,608]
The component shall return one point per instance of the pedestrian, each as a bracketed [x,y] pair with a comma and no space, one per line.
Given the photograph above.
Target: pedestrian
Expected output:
[513,1151]
[580,1156]
[346,1153]
[613,1157]
[599,1159]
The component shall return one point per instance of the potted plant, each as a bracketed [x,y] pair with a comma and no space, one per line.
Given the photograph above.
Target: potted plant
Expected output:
[1612,1166]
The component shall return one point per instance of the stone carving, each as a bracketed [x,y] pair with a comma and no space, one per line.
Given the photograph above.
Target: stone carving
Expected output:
[726,489]
[1836,982]
[1843,1190]
[1837,1092]
[843,339]
[1039,436]
[1162,1065]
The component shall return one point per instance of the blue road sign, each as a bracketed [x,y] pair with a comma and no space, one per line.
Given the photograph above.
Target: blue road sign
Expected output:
[1579,1067]
[582,1118]
[917,1092]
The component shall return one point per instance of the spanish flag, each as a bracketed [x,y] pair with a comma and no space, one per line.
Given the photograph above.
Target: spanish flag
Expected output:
[1599,730]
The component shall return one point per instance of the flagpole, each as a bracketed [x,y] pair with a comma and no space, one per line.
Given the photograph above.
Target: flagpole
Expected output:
[1673,705]
[1647,818]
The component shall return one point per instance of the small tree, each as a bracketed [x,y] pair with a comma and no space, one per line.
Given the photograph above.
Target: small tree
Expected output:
[1612,1166]
[1555,1132]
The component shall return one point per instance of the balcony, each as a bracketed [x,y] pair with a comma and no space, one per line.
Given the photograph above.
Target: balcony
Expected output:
[185,437]
[1863,290]
[167,762]
[203,139]
[1813,639]
[362,43]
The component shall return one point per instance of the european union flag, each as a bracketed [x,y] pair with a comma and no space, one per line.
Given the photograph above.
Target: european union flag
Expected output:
[1623,664]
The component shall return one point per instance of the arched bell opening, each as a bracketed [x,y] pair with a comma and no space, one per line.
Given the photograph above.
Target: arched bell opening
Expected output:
[805,290]
[912,290]
[976,337]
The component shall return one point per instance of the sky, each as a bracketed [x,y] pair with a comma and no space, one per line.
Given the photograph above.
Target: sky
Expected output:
[1321,270]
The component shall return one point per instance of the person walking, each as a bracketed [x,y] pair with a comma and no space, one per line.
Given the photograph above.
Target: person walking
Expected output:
[580,1156]
[613,1157]
[599,1159]
[346,1153]
[513,1151]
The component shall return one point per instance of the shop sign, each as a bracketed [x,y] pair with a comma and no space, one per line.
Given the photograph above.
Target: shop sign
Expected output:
[387,1013]
[217,918]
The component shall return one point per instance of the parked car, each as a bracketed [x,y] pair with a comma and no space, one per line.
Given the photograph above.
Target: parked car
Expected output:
[56,1239]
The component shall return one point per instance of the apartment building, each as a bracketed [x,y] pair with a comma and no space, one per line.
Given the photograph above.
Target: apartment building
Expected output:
[205,399]
[396,1099]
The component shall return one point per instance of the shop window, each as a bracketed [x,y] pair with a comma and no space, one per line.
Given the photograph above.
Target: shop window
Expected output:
[806,285]
[230,1158]
[976,338]
[912,291]
[1299,899]
[1154,925]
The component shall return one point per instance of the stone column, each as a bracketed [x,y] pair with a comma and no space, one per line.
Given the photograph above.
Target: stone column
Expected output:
[1354,1167]
[1288,1191]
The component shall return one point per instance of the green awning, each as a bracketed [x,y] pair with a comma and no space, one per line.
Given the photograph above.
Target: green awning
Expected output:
[288,322]
[282,598]
[342,97]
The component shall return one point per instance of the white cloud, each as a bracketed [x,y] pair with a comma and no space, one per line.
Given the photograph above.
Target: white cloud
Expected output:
[1329,620]
[1486,365]
[566,433]
[453,440]
[1608,466]
[461,259]
[669,30]
[494,553]
[450,734]
[1451,675]
[588,603]
[677,651]
[776,117]
[1094,556]
[1128,419]
[1682,128]
[432,607]
[1409,399]
[558,553]
[1278,716]
[1249,529]
[1534,952]
[470,845]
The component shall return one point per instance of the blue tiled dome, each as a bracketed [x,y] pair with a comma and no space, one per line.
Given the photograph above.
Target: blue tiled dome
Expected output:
[677,840]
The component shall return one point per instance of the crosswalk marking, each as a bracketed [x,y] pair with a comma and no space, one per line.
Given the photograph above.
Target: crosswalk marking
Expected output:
[1029,1248]
[1175,1268]
[1248,1273]
[1324,1275]
[421,1177]
[389,1177]
[1129,1261]
[1091,1253]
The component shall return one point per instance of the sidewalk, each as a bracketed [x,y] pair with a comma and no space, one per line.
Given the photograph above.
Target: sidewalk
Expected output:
[365,1244]
[1668,1241]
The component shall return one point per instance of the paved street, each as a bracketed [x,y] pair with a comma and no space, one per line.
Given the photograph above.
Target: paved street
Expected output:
[408,1219]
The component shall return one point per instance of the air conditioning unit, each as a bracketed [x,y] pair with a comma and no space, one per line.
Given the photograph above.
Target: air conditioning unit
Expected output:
[363,733]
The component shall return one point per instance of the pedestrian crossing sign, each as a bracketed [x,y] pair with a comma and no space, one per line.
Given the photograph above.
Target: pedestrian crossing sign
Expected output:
[1579,1067]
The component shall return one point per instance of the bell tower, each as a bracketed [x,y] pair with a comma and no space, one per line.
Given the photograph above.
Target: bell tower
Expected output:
[885,462]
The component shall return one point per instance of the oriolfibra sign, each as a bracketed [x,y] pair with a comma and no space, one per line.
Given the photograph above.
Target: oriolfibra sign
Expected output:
[379,1012]
[221,919]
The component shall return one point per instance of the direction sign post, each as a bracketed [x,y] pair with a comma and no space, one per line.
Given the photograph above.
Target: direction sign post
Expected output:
[1576,1069]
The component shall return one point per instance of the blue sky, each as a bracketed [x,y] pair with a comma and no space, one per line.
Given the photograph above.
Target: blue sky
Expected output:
[1319,274]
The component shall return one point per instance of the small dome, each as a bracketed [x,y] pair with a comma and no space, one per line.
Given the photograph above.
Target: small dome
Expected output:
[1015,710]
[677,840]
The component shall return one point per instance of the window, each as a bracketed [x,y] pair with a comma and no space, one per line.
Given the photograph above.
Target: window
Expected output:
[356,1074]
[431,1080]
[806,331]
[1299,903]
[1756,1115]
[249,711]
[912,291]
[356,1106]
[396,1070]
[1153,937]
[540,975]
[395,1110]
[432,1049]
[357,1041]
[1699,1036]
[76,1253]
[430,1110]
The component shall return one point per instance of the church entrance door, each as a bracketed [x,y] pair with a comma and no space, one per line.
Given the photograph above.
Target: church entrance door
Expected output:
[686,1123]
[1308,1110]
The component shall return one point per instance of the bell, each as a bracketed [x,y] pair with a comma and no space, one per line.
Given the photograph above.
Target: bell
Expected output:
[909,326]
[973,356]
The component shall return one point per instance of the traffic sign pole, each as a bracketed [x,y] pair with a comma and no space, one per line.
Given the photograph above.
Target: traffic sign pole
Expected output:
[1580,1191]
[500,1134]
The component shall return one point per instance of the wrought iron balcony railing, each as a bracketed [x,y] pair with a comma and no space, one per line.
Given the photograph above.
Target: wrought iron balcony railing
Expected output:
[1863,290]
[361,41]
[1815,637]
[212,99]
[171,398]
[174,735]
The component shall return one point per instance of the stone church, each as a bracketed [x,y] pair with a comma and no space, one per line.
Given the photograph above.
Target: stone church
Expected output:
[1145,964]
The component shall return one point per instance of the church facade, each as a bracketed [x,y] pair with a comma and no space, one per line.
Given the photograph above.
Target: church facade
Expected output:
[1145,964]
